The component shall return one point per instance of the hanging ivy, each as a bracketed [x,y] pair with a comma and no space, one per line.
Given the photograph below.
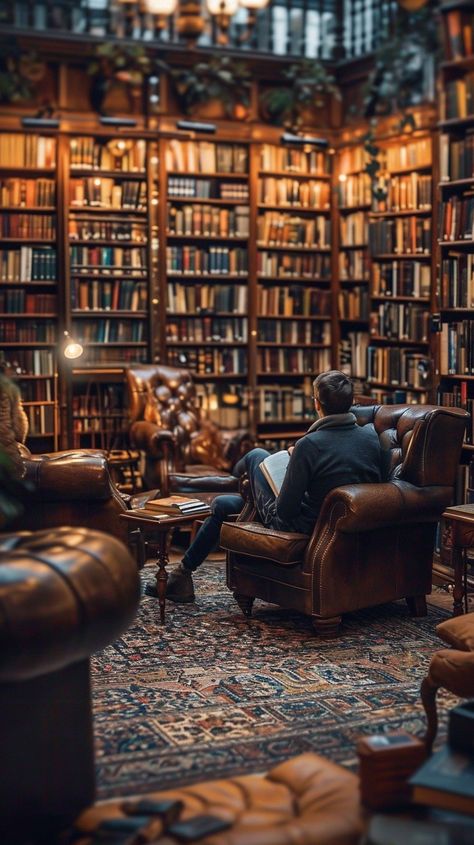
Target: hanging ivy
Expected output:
[222,79]
[20,73]
[310,84]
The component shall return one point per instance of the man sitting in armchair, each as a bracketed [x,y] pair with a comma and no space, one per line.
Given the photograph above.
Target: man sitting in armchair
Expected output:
[333,452]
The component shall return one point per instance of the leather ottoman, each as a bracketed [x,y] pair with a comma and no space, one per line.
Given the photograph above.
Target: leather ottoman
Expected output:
[305,801]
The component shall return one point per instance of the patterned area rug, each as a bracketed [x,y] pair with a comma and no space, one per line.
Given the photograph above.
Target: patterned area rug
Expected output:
[214,694]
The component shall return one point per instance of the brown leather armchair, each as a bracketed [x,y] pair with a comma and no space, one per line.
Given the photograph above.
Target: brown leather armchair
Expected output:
[450,668]
[71,488]
[64,594]
[184,451]
[372,543]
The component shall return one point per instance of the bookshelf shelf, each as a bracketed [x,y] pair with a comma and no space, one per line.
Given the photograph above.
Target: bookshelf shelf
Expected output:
[398,341]
[395,386]
[299,209]
[135,176]
[28,209]
[27,241]
[206,238]
[399,256]
[206,201]
[288,174]
[456,122]
[202,343]
[104,312]
[97,242]
[27,315]
[405,212]
[110,211]
[295,280]
[292,248]
[457,244]
[381,298]
[294,345]
[27,171]
[198,174]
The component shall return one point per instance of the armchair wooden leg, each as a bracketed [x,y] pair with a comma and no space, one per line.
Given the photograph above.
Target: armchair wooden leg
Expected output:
[326,628]
[417,605]
[245,603]
[428,699]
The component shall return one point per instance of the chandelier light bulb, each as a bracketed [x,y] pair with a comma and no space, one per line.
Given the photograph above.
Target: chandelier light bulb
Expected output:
[161,8]
[223,7]
[254,5]
[72,349]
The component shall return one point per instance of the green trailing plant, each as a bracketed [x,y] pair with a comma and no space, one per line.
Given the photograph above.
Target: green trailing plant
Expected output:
[20,73]
[127,65]
[402,62]
[222,79]
[310,83]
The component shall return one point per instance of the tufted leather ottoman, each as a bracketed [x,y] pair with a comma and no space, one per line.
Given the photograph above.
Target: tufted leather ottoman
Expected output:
[64,593]
[305,801]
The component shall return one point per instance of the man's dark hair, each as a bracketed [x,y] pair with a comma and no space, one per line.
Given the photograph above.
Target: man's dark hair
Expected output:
[334,391]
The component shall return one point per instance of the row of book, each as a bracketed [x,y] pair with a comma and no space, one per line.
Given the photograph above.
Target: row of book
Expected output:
[354,303]
[19,302]
[281,158]
[206,157]
[457,348]
[400,321]
[400,235]
[397,396]
[354,229]
[122,154]
[27,264]
[293,331]
[41,390]
[354,190]
[27,193]
[110,331]
[413,154]
[37,226]
[396,366]
[108,257]
[279,403]
[352,159]
[287,191]
[209,220]
[457,280]
[456,218]
[456,157]
[104,399]
[106,356]
[354,264]
[116,295]
[189,299]
[41,420]
[407,192]
[458,29]
[31,362]
[30,331]
[213,260]
[274,229]
[107,194]
[353,354]
[199,329]
[22,150]
[208,360]
[294,300]
[458,397]
[84,229]
[401,278]
[313,267]
[457,97]
[179,186]
[293,361]
[224,404]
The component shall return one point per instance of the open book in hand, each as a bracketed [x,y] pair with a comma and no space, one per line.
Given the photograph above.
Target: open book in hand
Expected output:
[274,469]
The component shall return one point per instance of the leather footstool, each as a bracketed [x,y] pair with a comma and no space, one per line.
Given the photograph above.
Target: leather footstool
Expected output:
[305,801]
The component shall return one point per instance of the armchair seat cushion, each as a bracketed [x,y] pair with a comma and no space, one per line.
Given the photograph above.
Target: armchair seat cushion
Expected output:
[205,480]
[254,539]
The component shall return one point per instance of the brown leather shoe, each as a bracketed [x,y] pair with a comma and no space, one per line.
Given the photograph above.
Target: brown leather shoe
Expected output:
[180,587]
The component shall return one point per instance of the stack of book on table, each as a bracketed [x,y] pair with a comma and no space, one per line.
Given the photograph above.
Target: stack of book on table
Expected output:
[178,506]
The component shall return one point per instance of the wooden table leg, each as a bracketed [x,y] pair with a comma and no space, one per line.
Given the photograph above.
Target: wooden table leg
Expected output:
[163,545]
[458,566]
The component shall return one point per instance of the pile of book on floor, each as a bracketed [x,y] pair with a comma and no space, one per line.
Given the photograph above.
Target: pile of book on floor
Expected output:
[178,506]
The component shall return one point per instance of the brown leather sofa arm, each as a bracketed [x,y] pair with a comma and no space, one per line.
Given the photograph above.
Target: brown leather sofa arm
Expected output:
[69,476]
[64,593]
[366,507]
[151,438]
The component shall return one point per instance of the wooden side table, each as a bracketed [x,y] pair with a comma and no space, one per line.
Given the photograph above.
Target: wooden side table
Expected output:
[459,534]
[157,530]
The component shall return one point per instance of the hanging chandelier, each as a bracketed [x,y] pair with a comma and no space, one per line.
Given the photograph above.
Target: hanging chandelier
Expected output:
[190,23]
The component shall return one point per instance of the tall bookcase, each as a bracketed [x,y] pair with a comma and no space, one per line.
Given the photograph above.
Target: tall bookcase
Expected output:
[456,224]
[351,285]
[28,276]
[400,240]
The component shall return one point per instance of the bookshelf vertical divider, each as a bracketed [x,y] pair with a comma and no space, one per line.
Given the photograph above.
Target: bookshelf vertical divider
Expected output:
[161,308]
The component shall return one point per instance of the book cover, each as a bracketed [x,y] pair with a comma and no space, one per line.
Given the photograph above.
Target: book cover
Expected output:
[446,780]
[274,469]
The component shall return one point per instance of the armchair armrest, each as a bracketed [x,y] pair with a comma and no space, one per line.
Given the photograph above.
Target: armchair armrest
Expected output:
[69,476]
[365,507]
[151,438]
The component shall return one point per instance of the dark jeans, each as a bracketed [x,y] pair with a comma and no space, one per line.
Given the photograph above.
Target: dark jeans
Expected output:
[223,506]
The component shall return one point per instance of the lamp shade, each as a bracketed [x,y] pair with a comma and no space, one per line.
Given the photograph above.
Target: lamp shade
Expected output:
[163,8]
[223,7]
[254,5]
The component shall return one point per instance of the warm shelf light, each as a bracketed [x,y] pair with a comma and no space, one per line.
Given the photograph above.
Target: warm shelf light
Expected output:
[72,349]
[161,8]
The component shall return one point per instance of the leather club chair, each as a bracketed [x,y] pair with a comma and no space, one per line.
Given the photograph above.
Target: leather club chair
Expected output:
[64,594]
[372,543]
[451,668]
[184,452]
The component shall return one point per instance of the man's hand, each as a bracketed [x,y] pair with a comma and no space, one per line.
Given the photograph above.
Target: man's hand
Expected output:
[290,449]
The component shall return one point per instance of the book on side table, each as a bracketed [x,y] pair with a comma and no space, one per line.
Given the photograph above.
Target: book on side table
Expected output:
[177,506]
[446,780]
